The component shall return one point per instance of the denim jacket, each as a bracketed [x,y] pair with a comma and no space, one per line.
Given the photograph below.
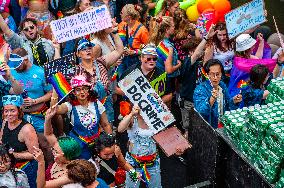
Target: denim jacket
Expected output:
[18,41]
[201,99]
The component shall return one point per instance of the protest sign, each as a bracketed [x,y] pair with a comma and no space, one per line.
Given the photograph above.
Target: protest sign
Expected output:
[245,17]
[139,91]
[174,140]
[159,84]
[65,65]
[78,25]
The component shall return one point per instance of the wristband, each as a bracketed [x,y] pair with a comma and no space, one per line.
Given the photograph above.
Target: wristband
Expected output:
[205,38]
[115,32]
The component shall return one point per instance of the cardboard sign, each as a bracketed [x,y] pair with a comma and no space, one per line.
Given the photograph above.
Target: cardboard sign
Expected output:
[159,84]
[65,65]
[245,17]
[81,24]
[174,140]
[139,91]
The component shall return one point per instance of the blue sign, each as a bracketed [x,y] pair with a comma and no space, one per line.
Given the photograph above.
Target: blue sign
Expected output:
[245,17]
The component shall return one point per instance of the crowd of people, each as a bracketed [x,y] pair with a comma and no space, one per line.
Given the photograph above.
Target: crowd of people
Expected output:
[96,137]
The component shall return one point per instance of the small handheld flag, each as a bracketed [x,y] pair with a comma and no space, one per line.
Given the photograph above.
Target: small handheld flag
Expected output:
[204,74]
[163,51]
[60,84]
[242,84]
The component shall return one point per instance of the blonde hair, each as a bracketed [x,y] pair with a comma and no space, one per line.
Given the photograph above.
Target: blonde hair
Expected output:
[159,27]
[131,11]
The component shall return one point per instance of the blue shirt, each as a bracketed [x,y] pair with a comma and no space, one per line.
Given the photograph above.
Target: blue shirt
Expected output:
[252,96]
[33,81]
[102,183]
[161,62]
[201,98]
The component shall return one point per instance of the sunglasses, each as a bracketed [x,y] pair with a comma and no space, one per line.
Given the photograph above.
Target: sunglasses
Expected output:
[29,28]
[151,58]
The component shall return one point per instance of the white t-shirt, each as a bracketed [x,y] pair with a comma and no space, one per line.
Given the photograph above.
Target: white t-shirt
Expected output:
[87,115]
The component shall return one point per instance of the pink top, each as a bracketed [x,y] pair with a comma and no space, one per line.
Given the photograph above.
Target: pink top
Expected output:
[4,6]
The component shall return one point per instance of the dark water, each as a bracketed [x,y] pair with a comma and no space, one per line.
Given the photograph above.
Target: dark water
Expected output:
[274,8]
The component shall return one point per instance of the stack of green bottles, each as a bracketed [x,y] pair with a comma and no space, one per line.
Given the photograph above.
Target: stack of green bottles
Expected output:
[258,131]
[280,183]
[276,89]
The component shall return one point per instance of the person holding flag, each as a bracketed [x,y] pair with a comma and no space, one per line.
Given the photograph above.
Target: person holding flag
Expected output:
[87,114]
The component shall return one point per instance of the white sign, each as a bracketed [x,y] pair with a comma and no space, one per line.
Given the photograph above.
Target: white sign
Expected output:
[245,17]
[139,91]
[81,24]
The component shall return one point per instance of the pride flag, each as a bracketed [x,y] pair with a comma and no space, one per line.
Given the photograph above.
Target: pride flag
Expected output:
[241,69]
[60,84]
[163,51]
[242,84]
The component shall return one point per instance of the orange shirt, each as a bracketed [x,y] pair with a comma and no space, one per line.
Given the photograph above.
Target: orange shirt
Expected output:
[141,37]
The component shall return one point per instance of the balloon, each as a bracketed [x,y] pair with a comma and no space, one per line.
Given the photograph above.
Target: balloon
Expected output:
[222,7]
[185,4]
[213,2]
[158,6]
[203,5]
[192,13]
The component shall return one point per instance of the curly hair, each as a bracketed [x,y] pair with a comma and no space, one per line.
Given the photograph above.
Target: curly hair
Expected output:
[182,24]
[5,156]
[166,5]
[131,11]
[103,141]
[220,26]
[82,171]
[159,28]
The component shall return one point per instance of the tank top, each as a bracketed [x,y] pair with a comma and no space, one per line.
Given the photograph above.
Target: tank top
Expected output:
[10,137]
[226,58]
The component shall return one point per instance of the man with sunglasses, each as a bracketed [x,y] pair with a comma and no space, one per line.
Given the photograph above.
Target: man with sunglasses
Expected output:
[40,50]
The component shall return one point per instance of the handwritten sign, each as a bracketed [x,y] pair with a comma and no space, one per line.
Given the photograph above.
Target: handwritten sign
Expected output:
[174,140]
[65,65]
[245,17]
[139,91]
[81,24]
[159,84]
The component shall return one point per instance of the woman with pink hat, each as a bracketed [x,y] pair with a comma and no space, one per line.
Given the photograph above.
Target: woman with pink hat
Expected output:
[87,114]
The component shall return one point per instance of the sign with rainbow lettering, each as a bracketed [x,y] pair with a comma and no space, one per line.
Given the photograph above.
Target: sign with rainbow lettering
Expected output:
[79,25]
[153,110]
[245,17]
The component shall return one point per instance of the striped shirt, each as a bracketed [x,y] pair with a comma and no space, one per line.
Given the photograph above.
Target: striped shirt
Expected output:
[92,77]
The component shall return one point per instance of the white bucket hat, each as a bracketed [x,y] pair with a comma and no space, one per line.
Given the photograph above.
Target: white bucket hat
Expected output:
[244,42]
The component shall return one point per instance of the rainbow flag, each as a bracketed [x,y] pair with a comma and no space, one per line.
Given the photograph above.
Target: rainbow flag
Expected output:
[114,76]
[145,175]
[21,165]
[103,101]
[204,74]
[163,51]
[242,84]
[122,35]
[60,84]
